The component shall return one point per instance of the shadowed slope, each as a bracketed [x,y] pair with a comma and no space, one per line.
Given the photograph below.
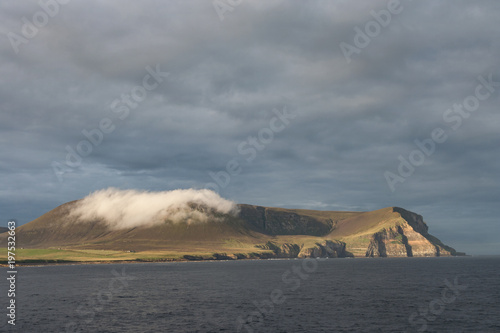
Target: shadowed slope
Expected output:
[282,221]
[58,228]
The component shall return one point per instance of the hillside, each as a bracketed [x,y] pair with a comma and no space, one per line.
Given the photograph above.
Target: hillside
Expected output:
[253,232]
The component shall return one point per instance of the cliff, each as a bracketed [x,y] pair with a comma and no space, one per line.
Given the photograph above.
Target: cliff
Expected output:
[282,221]
[393,232]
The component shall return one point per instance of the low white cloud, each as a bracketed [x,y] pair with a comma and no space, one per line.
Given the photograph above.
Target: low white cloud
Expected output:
[122,209]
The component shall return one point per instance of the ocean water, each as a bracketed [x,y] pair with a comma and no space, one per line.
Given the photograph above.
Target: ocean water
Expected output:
[460,294]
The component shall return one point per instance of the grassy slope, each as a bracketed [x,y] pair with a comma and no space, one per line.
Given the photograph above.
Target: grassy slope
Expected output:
[65,255]
[365,223]
[53,236]
[356,232]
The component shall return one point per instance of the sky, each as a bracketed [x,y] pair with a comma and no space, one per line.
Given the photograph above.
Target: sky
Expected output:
[330,105]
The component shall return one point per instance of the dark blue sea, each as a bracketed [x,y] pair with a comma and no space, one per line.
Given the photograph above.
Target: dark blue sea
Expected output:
[458,294]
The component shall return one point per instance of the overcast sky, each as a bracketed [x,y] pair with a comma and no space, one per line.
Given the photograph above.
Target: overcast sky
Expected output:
[308,104]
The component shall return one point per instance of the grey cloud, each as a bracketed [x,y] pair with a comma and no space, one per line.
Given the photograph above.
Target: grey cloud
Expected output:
[353,120]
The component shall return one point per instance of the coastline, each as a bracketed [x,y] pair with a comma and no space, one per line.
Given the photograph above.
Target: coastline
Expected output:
[42,263]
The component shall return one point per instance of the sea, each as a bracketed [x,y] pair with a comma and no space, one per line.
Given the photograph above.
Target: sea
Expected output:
[439,294]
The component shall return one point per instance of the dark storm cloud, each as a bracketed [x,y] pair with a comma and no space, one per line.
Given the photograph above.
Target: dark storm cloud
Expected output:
[352,120]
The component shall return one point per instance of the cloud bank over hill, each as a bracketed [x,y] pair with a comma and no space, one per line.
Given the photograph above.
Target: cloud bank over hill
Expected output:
[122,209]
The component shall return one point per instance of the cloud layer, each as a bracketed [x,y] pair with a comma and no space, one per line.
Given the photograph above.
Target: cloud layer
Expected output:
[353,120]
[124,209]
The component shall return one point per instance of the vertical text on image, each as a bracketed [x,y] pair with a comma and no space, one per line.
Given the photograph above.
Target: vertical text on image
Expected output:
[12,272]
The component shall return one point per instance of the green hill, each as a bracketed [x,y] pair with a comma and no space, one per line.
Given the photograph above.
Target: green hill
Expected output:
[255,232]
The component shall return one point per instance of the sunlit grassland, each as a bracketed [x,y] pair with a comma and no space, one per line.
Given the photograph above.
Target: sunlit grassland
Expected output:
[64,255]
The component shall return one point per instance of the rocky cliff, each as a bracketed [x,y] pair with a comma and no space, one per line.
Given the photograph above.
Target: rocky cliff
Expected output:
[321,249]
[388,232]
[279,221]
[408,237]
[326,248]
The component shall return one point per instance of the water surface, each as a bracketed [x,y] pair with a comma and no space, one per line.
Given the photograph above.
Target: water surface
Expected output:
[459,294]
